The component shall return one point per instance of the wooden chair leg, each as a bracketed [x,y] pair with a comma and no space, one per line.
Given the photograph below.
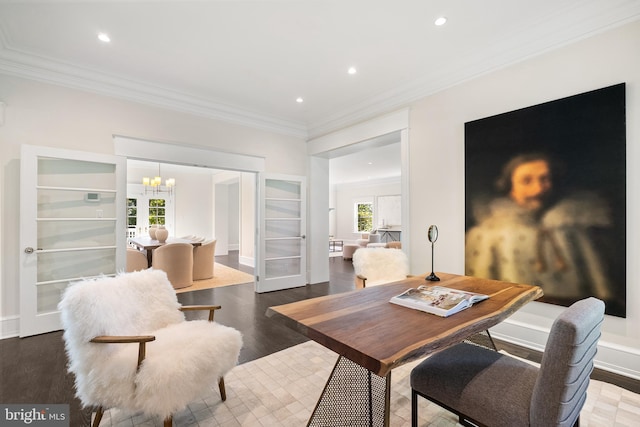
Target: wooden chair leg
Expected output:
[98,418]
[223,391]
[168,422]
[414,408]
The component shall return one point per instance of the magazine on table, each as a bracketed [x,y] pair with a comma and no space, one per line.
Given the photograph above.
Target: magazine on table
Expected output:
[437,299]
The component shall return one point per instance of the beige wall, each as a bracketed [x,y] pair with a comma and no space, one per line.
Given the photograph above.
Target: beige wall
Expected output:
[47,115]
[437,140]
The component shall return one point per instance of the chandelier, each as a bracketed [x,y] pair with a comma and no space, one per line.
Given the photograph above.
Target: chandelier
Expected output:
[154,185]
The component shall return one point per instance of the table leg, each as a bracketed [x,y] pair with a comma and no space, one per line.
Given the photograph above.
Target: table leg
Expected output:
[353,396]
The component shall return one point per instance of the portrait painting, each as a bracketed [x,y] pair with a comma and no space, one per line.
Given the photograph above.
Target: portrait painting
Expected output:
[545,198]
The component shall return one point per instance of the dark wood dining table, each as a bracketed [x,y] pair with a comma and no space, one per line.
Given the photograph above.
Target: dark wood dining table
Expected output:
[147,244]
[370,333]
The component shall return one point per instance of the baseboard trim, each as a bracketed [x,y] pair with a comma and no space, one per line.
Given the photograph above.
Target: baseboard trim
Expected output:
[9,327]
[248,261]
[611,357]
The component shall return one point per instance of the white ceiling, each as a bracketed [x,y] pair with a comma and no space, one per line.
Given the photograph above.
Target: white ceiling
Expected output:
[247,61]
[372,164]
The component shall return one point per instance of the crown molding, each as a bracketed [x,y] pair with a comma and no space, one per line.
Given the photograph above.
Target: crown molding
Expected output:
[46,70]
[574,23]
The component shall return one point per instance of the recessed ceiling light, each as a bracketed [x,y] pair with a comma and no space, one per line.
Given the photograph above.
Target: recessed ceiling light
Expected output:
[299,100]
[440,21]
[352,70]
[104,37]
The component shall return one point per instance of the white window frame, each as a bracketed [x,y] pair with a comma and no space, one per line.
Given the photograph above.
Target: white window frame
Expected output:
[362,201]
[137,191]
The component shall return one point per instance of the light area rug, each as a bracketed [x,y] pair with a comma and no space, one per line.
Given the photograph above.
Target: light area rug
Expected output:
[282,389]
[222,276]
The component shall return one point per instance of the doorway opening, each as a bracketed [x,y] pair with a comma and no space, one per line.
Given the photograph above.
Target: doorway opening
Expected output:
[365,190]
[384,130]
[195,188]
[203,202]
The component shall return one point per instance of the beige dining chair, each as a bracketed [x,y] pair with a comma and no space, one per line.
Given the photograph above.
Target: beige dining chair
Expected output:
[203,260]
[487,388]
[176,259]
[136,260]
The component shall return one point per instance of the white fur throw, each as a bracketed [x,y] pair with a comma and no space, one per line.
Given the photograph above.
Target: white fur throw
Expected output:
[185,359]
[380,265]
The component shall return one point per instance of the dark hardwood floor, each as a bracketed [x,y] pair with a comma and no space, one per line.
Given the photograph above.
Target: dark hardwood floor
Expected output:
[33,369]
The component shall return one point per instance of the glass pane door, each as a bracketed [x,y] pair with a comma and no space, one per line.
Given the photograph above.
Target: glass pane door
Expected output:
[283,245]
[71,214]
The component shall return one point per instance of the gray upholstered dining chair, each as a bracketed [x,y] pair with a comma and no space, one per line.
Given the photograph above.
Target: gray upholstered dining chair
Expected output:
[488,388]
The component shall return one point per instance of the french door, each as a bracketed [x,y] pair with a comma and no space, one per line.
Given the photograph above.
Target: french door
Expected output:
[72,226]
[282,236]
[145,207]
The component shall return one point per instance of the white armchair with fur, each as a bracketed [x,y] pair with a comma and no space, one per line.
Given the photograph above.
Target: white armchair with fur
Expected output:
[130,347]
[375,266]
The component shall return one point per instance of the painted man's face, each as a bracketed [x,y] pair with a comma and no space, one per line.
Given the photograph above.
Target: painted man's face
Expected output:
[531,184]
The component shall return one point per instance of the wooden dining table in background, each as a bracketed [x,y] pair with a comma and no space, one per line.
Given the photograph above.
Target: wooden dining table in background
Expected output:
[148,244]
[369,332]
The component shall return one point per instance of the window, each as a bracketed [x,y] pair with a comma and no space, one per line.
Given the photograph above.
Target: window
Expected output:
[157,212]
[132,218]
[144,210]
[363,216]
[132,213]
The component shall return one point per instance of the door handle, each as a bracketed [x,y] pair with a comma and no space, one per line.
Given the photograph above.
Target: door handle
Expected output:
[28,250]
